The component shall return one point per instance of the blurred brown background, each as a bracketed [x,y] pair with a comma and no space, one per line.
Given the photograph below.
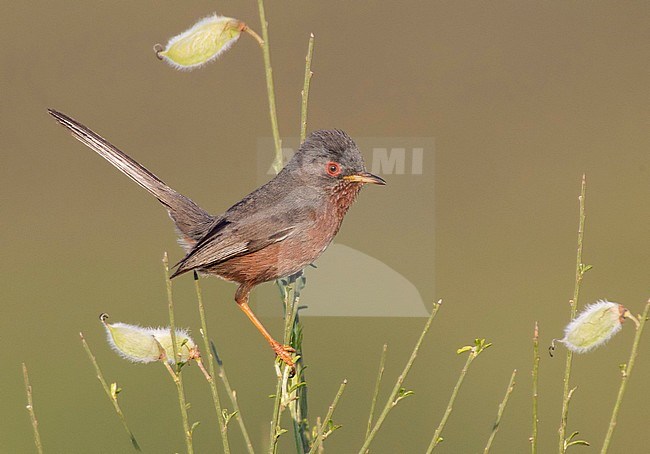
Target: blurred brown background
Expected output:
[521,98]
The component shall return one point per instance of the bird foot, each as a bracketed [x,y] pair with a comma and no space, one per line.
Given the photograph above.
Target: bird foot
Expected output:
[284,352]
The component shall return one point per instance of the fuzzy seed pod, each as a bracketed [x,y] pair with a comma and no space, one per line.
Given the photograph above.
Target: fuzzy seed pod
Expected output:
[202,43]
[143,344]
[594,326]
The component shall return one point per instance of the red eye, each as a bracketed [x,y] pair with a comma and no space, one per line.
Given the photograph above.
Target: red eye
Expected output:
[333,168]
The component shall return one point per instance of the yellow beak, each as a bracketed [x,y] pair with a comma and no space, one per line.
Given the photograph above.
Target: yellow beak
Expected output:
[365,177]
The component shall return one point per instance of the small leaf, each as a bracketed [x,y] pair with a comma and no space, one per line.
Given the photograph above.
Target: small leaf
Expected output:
[464,349]
[584,268]
[296,386]
[194,426]
[115,390]
[227,416]
[481,345]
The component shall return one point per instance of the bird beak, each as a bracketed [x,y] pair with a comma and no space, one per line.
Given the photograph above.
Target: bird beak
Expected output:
[365,177]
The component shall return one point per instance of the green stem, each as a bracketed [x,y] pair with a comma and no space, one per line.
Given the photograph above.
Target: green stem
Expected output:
[282,374]
[502,407]
[305,89]
[232,394]
[176,371]
[223,429]
[533,438]
[393,399]
[580,270]
[625,376]
[436,435]
[112,396]
[382,362]
[32,414]
[330,412]
[278,161]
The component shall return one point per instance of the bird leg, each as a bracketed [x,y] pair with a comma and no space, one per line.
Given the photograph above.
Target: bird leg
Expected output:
[282,351]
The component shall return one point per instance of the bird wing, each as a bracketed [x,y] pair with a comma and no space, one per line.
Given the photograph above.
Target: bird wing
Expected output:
[270,214]
[226,241]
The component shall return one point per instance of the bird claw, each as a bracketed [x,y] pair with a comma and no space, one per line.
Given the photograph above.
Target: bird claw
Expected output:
[284,353]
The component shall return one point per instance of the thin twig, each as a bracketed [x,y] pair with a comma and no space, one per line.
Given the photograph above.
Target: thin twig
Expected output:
[276,431]
[232,394]
[223,428]
[380,374]
[112,395]
[176,371]
[473,354]
[32,414]
[246,29]
[533,438]
[625,376]
[580,270]
[305,89]
[393,399]
[283,371]
[320,436]
[319,425]
[502,407]
[277,162]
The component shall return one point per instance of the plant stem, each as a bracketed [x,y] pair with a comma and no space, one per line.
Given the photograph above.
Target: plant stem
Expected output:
[112,396]
[580,270]
[278,161]
[382,362]
[32,414]
[176,371]
[502,406]
[297,397]
[625,376]
[223,429]
[305,89]
[436,435]
[393,398]
[170,309]
[232,394]
[319,425]
[533,438]
[246,29]
[330,412]
[276,431]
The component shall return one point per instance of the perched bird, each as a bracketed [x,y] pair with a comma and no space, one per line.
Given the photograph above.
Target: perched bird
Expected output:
[273,232]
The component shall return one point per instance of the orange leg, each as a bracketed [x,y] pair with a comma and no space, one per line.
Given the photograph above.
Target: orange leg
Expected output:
[283,351]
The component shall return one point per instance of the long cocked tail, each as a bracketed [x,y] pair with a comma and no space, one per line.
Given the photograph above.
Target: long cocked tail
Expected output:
[192,221]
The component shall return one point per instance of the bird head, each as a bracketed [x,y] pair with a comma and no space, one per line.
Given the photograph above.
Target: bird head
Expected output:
[331,159]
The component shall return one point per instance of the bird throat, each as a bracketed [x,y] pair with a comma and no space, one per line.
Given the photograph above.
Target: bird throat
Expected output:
[343,196]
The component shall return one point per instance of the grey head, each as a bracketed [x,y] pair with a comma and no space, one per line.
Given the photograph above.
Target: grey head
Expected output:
[329,159]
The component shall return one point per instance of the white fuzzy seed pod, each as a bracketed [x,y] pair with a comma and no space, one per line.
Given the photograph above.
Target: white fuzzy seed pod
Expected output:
[143,344]
[594,326]
[202,43]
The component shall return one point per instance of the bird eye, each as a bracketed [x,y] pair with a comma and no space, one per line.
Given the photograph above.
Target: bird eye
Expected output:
[333,169]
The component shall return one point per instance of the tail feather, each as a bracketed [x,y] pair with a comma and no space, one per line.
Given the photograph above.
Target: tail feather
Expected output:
[191,220]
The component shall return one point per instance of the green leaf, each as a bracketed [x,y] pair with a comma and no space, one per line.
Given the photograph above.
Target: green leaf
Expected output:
[584,268]
[115,390]
[464,349]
